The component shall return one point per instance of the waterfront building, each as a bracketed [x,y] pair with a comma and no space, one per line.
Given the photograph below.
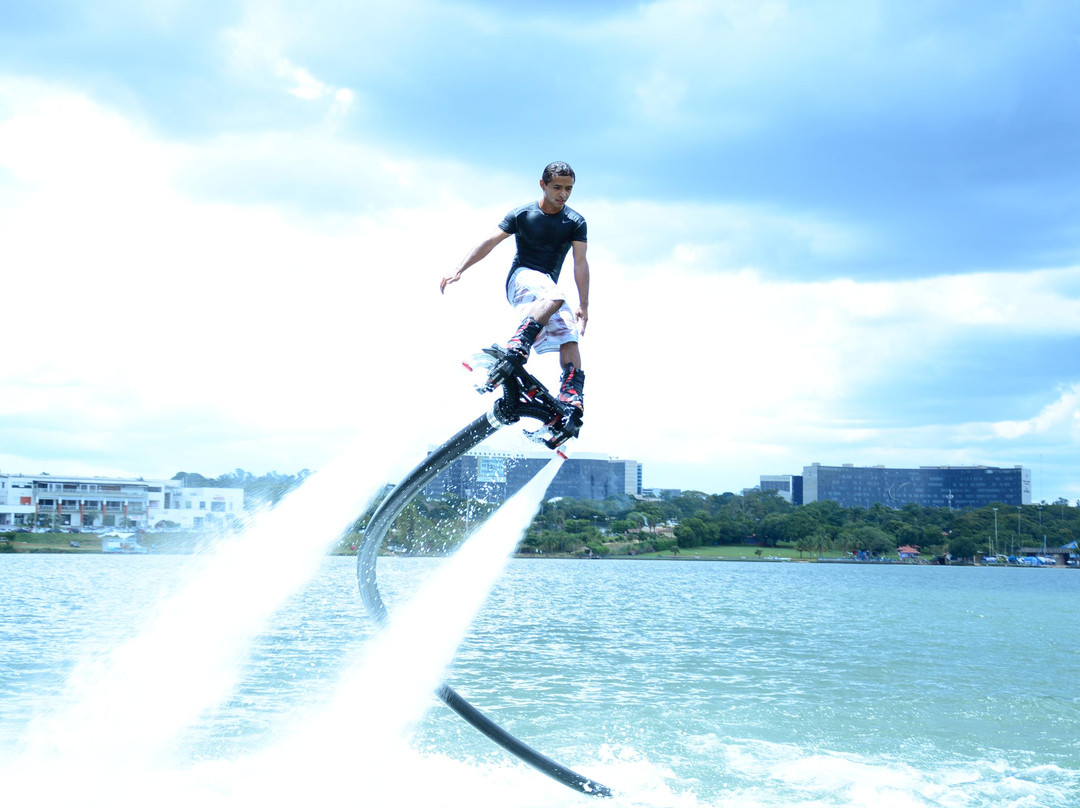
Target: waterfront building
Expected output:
[193,508]
[496,476]
[930,486]
[787,486]
[86,503]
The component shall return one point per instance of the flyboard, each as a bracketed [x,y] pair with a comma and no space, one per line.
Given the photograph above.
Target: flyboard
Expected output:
[522,397]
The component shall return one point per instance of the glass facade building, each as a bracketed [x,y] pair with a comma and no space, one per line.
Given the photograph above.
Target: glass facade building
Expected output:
[787,486]
[497,477]
[929,486]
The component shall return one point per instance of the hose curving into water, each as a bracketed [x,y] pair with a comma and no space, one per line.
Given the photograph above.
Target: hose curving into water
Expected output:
[500,415]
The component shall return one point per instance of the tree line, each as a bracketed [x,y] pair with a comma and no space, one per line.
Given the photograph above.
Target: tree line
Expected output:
[623,525]
[263,489]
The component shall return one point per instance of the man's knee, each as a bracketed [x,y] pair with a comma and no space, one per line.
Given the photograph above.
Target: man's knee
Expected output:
[545,309]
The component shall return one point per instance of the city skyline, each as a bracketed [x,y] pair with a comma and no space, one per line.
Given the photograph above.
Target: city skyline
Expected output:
[482,473]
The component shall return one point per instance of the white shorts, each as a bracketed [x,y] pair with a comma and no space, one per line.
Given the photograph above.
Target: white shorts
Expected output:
[526,286]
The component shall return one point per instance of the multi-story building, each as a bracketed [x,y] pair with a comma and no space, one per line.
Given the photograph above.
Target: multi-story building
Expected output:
[929,486]
[191,508]
[661,493]
[59,502]
[495,477]
[788,486]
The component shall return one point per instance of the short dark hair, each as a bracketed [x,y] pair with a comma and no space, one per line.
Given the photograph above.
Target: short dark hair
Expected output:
[557,169]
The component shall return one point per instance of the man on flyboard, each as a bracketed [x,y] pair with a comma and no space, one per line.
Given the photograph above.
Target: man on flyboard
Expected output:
[545,231]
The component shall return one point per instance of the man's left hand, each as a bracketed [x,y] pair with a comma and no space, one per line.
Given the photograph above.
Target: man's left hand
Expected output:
[582,318]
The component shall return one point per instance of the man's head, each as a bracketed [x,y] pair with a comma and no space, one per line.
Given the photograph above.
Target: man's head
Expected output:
[557,183]
[557,169]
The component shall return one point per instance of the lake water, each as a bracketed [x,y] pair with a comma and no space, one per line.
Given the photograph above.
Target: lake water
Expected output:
[674,683]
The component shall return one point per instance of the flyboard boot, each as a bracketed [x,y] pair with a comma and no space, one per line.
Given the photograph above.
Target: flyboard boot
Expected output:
[571,388]
[521,343]
[502,363]
[523,395]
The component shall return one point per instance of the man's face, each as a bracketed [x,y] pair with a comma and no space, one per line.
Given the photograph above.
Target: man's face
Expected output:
[557,190]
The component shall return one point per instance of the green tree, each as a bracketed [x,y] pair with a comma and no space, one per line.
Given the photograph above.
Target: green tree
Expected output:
[772,529]
[801,522]
[869,539]
[821,540]
[411,528]
[691,532]
[963,547]
[826,512]
[732,528]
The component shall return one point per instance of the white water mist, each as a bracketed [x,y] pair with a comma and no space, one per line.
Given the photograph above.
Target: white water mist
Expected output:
[391,685]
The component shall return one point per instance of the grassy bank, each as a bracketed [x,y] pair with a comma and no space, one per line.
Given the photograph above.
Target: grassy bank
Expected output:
[741,552]
[185,542]
[49,543]
[91,542]
[738,553]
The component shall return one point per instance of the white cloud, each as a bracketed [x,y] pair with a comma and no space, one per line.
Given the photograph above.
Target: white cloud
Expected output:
[825,54]
[1059,419]
[258,45]
[305,85]
[711,237]
[159,330]
[731,373]
[136,303]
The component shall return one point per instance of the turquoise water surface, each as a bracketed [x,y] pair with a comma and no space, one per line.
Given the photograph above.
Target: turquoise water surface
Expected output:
[675,683]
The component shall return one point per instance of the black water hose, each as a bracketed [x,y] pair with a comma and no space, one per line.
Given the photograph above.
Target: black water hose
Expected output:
[367,557]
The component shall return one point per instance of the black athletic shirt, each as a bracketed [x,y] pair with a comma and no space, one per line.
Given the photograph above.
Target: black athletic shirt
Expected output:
[543,239]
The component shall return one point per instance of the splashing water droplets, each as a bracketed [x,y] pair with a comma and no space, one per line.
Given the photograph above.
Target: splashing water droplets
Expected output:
[115,732]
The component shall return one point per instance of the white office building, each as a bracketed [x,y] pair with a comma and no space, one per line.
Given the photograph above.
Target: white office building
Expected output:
[61,502]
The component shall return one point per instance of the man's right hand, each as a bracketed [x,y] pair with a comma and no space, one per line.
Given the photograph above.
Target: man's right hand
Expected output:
[449,279]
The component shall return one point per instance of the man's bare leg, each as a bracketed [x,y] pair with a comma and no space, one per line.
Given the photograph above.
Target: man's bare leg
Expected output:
[521,343]
[570,354]
[542,310]
[573,377]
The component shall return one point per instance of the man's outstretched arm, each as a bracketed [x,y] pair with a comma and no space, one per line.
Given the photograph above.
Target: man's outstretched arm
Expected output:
[478,253]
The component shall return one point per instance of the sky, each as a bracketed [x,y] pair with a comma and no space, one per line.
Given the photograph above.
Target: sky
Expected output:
[834,231]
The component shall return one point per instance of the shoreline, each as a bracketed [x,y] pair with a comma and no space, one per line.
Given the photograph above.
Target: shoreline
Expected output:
[95,550]
[190,543]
